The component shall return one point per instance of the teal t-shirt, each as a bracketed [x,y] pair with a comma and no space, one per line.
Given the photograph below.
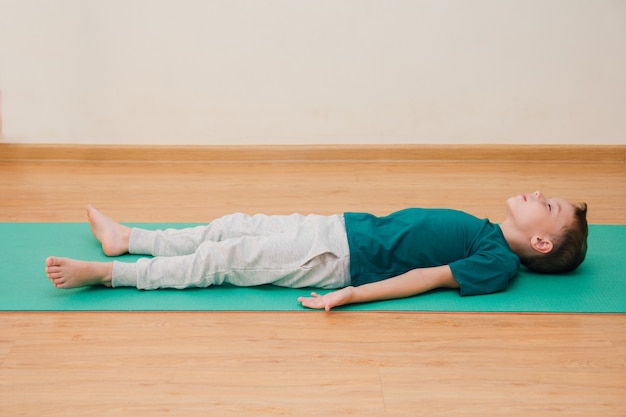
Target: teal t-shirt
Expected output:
[475,249]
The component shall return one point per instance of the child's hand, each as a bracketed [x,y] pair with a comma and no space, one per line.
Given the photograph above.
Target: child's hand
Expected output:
[327,301]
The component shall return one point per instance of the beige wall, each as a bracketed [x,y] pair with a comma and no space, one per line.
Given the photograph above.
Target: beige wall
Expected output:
[313,71]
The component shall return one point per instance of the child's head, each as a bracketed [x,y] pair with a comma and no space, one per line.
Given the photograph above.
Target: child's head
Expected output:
[568,248]
[548,234]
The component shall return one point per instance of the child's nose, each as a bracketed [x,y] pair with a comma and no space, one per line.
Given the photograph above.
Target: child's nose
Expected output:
[538,195]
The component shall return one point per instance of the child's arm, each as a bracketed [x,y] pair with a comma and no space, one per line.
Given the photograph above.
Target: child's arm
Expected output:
[411,283]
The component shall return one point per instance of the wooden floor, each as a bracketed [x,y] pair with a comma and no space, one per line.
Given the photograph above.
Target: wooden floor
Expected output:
[306,363]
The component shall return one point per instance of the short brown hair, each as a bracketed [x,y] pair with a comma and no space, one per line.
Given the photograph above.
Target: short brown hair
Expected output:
[568,250]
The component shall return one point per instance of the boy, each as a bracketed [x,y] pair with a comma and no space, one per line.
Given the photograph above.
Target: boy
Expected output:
[365,257]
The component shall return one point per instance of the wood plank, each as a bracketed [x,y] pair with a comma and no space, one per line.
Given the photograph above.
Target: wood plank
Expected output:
[366,364]
[199,192]
[535,153]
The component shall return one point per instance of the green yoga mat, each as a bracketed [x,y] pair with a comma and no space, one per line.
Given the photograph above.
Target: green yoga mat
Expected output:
[598,286]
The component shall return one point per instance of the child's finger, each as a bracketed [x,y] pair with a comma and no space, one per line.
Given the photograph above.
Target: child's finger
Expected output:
[310,302]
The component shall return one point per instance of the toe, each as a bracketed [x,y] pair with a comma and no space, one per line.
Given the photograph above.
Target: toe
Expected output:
[52,261]
[54,275]
[53,270]
[56,282]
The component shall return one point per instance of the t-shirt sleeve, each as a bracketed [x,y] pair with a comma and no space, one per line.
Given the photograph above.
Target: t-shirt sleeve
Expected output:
[485,272]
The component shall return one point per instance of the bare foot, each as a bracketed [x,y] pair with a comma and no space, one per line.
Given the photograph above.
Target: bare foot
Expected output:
[113,236]
[71,273]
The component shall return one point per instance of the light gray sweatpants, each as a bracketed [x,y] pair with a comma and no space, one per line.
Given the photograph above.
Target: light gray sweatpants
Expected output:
[289,251]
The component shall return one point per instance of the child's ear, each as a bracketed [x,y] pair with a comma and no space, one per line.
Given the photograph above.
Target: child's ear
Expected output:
[540,244]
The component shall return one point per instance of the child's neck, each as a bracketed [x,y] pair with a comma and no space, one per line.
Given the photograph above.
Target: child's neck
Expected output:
[516,240]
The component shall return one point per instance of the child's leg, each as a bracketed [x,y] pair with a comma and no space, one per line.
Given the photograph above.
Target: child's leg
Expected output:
[117,239]
[315,253]
[176,242]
